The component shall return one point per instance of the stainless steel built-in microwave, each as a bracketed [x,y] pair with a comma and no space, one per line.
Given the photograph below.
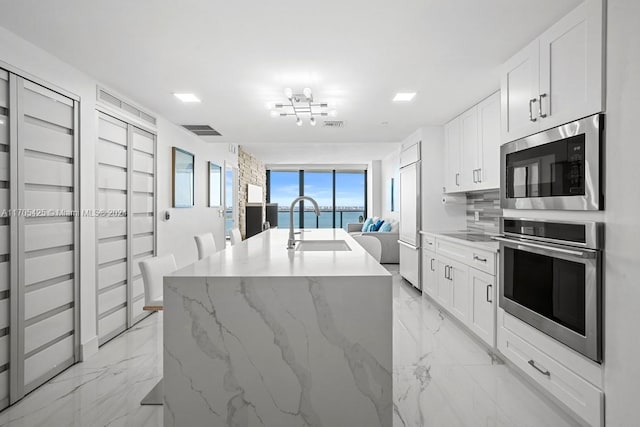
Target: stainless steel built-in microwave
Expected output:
[560,168]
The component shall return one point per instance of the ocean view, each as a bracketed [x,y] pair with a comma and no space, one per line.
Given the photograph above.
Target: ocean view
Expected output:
[325,219]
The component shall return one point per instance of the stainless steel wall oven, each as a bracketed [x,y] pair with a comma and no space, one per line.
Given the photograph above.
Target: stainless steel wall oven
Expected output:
[552,279]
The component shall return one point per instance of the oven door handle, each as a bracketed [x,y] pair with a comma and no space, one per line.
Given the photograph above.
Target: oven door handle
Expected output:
[588,254]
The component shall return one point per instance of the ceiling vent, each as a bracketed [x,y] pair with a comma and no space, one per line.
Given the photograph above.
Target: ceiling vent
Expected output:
[333,123]
[202,130]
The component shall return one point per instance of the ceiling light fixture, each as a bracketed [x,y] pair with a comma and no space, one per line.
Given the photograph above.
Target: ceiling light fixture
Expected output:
[300,104]
[186,97]
[404,96]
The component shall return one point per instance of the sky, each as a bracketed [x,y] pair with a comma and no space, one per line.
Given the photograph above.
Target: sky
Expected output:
[349,188]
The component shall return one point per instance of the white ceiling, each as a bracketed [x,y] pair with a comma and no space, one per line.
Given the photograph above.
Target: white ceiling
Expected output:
[237,56]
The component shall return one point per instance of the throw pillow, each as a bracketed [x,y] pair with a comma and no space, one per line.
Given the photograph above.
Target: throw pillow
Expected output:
[377,225]
[366,224]
[386,227]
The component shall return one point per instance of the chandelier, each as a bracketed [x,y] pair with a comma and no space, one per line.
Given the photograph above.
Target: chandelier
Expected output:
[301,104]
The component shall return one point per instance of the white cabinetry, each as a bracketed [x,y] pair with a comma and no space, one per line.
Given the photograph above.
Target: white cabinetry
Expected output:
[429,266]
[452,156]
[473,148]
[461,278]
[572,379]
[469,154]
[410,215]
[558,77]
[488,159]
[483,307]
[453,287]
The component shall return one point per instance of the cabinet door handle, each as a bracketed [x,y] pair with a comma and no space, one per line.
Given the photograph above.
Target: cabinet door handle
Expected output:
[489,289]
[475,180]
[477,258]
[531,101]
[457,179]
[542,95]
[545,373]
[450,275]
[480,175]
[446,270]
[432,269]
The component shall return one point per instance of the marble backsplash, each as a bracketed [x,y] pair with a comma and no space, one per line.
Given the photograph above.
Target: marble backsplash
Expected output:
[487,204]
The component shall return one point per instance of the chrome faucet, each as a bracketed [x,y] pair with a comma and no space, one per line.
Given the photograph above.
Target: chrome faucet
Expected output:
[292,242]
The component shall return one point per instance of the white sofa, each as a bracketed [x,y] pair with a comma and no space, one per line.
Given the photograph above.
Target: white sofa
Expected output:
[388,240]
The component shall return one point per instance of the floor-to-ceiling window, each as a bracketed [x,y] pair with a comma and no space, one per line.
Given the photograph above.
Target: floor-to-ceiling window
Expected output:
[319,186]
[350,194]
[341,196]
[284,187]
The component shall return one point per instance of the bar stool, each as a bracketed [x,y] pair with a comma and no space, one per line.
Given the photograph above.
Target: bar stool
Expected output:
[236,237]
[153,270]
[205,244]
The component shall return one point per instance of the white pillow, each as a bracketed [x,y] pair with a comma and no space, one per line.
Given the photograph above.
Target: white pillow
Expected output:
[395,226]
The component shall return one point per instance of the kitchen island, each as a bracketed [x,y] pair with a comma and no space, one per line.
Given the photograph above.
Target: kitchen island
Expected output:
[259,335]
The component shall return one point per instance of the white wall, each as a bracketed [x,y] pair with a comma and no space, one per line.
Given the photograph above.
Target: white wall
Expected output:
[622,210]
[374,190]
[390,168]
[176,235]
[173,236]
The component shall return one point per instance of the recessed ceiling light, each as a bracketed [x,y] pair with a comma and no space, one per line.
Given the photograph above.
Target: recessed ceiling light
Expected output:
[404,96]
[186,97]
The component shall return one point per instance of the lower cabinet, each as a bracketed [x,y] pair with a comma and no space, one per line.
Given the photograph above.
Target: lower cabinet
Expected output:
[482,319]
[575,381]
[410,264]
[457,276]
[461,286]
[429,273]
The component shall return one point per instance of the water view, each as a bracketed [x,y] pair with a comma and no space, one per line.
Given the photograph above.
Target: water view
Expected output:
[345,190]
[325,220]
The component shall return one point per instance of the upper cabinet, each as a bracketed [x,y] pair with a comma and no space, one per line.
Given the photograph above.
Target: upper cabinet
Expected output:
[488,166]
[453,153]
[473,148]
[558,77]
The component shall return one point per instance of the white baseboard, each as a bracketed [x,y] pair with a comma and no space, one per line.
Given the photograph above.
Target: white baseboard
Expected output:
[88,348]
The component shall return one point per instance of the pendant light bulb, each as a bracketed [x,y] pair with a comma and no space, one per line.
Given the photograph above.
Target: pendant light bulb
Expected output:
[307,92]
[312,121]
[299,121]
[288,93]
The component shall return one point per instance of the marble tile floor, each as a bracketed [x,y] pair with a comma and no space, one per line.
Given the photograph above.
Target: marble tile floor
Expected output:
[442,377]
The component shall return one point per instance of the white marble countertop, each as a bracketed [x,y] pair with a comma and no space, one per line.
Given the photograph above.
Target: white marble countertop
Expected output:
[465,237]
[266,255]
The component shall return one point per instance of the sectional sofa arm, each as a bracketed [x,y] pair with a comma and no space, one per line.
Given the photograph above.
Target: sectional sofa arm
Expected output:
[354,227]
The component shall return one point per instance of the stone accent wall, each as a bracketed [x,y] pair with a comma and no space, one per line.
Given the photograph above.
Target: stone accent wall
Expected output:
[250,171]
[487,204]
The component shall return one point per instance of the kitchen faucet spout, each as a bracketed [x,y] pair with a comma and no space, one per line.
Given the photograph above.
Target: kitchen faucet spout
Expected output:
[291,243]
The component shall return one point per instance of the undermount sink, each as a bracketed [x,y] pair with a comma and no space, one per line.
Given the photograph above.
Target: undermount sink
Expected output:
[322,245]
